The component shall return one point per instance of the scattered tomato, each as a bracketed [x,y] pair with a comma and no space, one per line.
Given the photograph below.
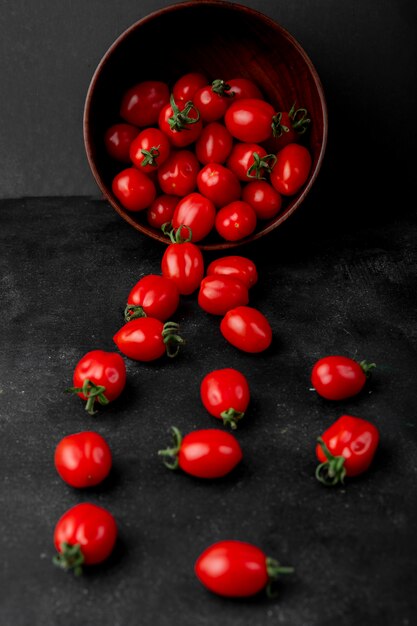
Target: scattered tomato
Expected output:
[83,459]
[247,329]
[197,212]
[147,339]
[225,395]
[183,262]
[237,266]
[339,377]
[218,294]
[152,296]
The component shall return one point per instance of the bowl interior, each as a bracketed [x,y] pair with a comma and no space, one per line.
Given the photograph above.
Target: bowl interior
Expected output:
[223,40]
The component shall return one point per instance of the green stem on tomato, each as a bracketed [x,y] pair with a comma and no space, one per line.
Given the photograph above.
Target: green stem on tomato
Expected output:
[300,125]
[278,129]
[133,311]
[259,164]
[275,570]
[92,392]
[332,471]
[170,455]
[367,367]
[172,340]
[222,88]
[231,417]
[180,120]
[175,234]
[150,156]
[70,558]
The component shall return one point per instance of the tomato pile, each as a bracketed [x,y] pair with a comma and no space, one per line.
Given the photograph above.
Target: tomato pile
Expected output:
[212,155]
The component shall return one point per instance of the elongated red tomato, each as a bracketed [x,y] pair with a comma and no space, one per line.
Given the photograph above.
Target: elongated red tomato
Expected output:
[236,266]
[346,449]
[214,144]
[225,395]
[291,169]
[134,189]
[263,198]
[338,377]
[183,262]
[147,339]
[197,212]
[142,103]
[218,294]
[208,453]
[83,459]
[247,329]
[250,120]
[237,569]
[152,296]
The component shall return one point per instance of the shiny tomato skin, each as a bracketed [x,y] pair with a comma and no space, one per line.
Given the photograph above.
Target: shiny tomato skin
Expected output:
[291,169]
[141,339]
[263,198]
[83,459]
[161,210]
[212,106]
[219,294]
[183,263]
[233,569]
[92,527]
[134,189]
[158,296]
[225,389]
[187,85]
[186,136]
[235,221]
[214,144]
[118,139]
[178,175]
[337,377]
[241,159]
[247,329]
[150,140]
[219,184]
[244,88]
[197,212]
[142,103]
[249,120]
[101,368]
[235,266]
[209,453]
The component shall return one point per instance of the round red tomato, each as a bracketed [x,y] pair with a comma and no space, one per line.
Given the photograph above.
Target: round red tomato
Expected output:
[117,141]
[84,535]
[149,150]
[147,339]
[213,100]
[178,175]
[247,329]
[134,189]
[142,103]
[263,198]
[249,161]
[237,569]
[235,266]
[161,210]
[244,88]
[186,86]
[339,377]
[291,169]
[208,453]
[288,127]
[225,394]
[83,459]
[196,212]
[219,184]
[152,296]
[214,144]
[183,263]
[235,221]
[99,377]
[218,294]
[181,123]
[250,120]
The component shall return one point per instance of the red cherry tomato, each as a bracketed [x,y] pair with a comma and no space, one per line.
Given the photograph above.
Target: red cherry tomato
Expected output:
[214,144]
[235,266]
[237,569]
[247,329]
[181,123]
[244,88]
[147,339]
[346,449]
[219,294]
[117,141]
[99,377]
[263,198]
[178,175]
[83,459]
[291,169]
[289,127]
[208,453]
[235,221]
[152,296]
[161,210]
[149,150]
[213,100]
[142,103]
[134,189]
[187,85]
[219,184]
[249,160]
[250,120]
[197,212]
[84,535]
[225,394]
[339,377]
[183,263]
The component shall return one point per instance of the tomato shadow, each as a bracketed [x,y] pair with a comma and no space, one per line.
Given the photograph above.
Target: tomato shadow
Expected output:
[282,590]
[118,556]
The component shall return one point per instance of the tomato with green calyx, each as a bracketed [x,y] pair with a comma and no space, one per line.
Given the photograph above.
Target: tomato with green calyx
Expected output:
[180,122]
[197,212]
[147,339]
[213,100]
[338,377]
[152,296]
[225,394]
[149,150]
[182,261]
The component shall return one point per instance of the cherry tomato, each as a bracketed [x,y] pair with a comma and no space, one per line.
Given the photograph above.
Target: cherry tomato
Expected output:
[84,535]
[209,453]
[219,184]
[345,449]
[291,169]
[235,221]
[225,394]
[249,160]
[197,212]
[147,339]
[214,144]
[250,120]
[213,100]
[152,296]
[149,150]
[218,294]
[247,329]
[142,103]
[161,210]
[244,88]
[83,459]
[288,128]
[134,189]
[237,569]
[178,175]
[183,263]
[99,377]
[236,266]
[187,85]
[180,122]
[117,140]
[339,377]
[263,198]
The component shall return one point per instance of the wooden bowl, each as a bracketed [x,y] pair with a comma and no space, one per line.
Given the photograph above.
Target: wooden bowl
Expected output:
[223,40]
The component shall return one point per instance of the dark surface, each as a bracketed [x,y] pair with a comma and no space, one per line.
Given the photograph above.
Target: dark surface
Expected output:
[66,268]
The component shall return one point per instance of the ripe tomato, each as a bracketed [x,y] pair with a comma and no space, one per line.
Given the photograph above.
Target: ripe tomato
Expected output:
[219,294]
[152,296]
[147,339]
[178,175]
[142,103]
[219,184]
[213,100]
[225,394]
[149,150]
[291,169]
[249,161]
[83,459]
[250,120]
[263,198]
[243,88]
[99,377]
[161,210]
[247,329]
[214,144]
[339,377]
[134,189]
[237,569]
[235,221]
[345,449]
[288,128]
[84,535]
[186,86]
[208,453]
[183,263]
[196,212]
[117,140]
[180,122]
[236,266]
